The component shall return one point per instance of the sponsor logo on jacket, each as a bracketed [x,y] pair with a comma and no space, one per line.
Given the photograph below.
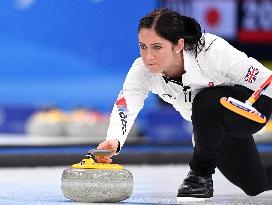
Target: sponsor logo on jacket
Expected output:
[122,109]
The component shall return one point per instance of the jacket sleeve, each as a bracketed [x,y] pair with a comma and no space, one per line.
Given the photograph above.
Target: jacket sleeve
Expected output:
[129,102]
[241,69]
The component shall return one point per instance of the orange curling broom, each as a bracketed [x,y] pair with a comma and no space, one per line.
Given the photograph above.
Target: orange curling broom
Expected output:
[245,108]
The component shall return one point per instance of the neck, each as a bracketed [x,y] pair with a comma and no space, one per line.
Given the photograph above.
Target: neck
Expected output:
[177,69]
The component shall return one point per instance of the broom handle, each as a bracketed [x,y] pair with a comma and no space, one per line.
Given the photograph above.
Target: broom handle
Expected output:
[257,93]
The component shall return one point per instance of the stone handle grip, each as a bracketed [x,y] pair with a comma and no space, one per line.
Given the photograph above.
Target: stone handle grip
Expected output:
[101,152]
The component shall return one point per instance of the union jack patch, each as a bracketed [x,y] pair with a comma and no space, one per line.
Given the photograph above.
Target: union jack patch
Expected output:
[251,74]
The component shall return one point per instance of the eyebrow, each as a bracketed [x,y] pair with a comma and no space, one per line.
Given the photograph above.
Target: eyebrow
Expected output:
[152,44]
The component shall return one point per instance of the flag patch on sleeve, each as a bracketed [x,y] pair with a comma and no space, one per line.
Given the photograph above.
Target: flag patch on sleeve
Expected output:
[121,103]
[251,74]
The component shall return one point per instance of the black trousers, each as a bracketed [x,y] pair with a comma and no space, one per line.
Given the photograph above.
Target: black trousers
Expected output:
[223,139]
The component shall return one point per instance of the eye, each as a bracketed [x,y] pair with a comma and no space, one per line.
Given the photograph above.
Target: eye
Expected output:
[142,46]
[157,47]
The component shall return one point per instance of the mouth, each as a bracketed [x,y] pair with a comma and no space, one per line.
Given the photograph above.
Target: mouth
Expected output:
[154,68]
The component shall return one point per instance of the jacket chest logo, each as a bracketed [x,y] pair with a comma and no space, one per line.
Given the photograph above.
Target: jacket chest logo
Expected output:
[186,91]
[169,96]
[187,94]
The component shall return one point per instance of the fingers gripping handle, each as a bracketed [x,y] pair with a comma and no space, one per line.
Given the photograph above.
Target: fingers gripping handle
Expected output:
[99,152]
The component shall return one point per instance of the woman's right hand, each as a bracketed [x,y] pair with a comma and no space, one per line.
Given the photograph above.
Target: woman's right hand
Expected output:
[111,144]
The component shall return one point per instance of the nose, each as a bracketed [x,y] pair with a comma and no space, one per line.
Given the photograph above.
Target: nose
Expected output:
[150,55]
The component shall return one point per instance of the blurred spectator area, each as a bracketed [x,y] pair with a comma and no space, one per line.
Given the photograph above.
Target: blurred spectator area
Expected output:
[65,52]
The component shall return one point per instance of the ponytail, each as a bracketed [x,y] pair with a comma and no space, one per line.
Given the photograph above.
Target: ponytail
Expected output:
[172,26]
[192,34]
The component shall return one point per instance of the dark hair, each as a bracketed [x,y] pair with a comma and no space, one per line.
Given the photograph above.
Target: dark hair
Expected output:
[172,26]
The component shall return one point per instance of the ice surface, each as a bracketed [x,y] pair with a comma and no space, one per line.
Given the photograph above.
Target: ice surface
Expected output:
[152,185]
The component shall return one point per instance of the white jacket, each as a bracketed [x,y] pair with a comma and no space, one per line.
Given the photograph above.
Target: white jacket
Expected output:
[217,64]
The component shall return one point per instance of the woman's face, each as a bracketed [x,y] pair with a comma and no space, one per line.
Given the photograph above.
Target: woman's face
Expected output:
[158,54]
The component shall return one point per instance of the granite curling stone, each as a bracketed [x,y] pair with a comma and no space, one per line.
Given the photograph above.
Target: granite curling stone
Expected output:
[89,181]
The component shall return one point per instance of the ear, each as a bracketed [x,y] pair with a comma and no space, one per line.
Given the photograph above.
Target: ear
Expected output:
[179,47]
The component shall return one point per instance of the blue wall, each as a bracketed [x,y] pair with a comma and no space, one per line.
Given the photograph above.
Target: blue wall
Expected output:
[67,53]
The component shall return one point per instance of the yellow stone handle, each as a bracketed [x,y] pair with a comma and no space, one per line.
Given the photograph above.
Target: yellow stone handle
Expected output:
[91,164]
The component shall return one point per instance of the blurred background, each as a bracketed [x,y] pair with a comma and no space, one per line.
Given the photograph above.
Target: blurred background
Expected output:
[63,63]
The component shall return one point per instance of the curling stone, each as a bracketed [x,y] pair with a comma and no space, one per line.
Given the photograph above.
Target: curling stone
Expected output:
[89,181]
